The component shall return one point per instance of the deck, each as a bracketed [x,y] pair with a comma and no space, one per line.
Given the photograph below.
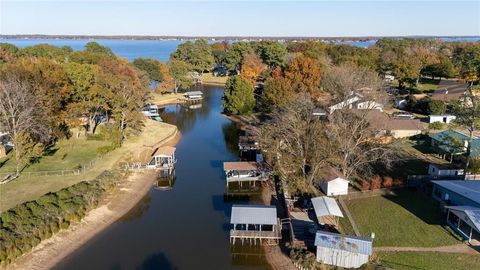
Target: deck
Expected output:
[252,237]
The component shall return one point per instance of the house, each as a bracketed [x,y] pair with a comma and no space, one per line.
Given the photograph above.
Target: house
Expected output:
[332,182]
[449,143]
[356,101]
[327,210]
[446,170]
[254,222]
[448,90]
[342,250]
[445,118]
[462,203]
[394,127]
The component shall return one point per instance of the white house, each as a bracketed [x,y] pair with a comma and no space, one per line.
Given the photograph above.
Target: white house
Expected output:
[445,118]
[439,170]
[356,101]
[333,183]
[342,250]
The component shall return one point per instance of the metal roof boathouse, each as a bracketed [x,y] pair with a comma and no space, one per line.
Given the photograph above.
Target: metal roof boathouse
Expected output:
[326,210]
[255,222]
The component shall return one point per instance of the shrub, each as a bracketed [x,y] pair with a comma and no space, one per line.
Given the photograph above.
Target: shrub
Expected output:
[387,182]
[106,149]
[24,226]
[365,186]
[376,182]
[436,125]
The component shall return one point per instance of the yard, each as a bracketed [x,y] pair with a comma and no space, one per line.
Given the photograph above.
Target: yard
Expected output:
[208,78]
[424,86]
[410,219]
[429,260]
[27,188]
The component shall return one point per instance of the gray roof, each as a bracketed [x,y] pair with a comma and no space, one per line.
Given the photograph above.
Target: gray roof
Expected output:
[469,189]
[473,214]
[348,243]
[254,214]
[326,206]
[194,93]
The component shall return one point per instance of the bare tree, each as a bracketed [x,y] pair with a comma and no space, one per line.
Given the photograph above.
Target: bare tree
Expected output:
[346,80]
[292,139]
[21,118]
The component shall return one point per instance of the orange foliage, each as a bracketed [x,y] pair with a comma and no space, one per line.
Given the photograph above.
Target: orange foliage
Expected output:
[387,181]
[252,67]
[304,73]
[376,182]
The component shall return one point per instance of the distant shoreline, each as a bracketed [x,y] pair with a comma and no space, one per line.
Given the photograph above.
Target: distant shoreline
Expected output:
[220,38]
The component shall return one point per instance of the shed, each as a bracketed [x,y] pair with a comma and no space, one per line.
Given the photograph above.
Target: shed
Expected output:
[342,250]
[448,170]
[332,182]
[444,118]
[326,210]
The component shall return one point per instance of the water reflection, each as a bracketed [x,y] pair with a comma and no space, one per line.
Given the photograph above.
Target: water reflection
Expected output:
[139,210]
[165,180]
[230,135]
[156,261]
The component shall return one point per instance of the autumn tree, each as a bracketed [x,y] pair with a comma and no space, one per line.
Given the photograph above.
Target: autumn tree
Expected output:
[252,67]
[94,47]
[236,53]
[467,59]
[238,97]
[22,118]
[304,74]
[152,67]
[219,52]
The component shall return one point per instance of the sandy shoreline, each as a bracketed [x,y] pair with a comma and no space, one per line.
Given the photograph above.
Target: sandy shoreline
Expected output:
[53,250]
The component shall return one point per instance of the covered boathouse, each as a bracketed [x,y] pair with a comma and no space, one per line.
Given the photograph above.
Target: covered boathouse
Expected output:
[326,210]
[255,223]
[246,171]
[163,158]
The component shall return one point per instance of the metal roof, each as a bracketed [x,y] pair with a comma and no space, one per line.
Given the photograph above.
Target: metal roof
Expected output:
[473,214]
[165,151]
[193,93]
[326,206]
[348,243]
[469,189]
[254,214]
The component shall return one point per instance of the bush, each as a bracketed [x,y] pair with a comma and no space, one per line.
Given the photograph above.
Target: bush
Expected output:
[376,182]
[365,186]
[387,182]
[106,149]
[436,125]
[24,226]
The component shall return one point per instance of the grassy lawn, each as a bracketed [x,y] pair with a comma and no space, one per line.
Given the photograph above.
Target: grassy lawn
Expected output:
[429,260]
[208,78]
[407,219]
[157,98]
[424,86]
[29,188]
[65,155]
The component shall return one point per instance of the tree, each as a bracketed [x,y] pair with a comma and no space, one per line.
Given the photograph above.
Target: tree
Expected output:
[22,118]
[219,51]
[238,97]
[272,53]
[180,72]
[152,67]
[443,69]
[235,55]
[436,107]
[252,67]
[277,93]
[467,112]
[304,74]
[198,54]
[292,142]
[94,47]
[467,59]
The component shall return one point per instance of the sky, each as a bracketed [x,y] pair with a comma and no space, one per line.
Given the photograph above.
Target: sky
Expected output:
[241,18]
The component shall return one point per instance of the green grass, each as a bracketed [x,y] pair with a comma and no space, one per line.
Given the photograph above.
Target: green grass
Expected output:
[28,188]
[208,78]
[424,86]
[429,260]
[407,219]
[65,155]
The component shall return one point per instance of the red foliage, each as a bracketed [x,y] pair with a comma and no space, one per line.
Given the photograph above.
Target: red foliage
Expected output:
[365,186]
[387,181]
[398,181]
[277,73]
[376,182]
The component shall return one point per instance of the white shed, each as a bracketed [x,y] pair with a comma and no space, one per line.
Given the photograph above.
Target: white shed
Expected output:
[446,118]
[446,170]
[333,183]
[342,250]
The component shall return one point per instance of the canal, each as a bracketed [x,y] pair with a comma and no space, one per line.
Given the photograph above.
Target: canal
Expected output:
[186,226]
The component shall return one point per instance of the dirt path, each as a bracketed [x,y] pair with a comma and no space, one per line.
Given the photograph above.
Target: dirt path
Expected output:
[459,248]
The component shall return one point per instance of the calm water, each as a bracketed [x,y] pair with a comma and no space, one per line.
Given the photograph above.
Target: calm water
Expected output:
[186,227]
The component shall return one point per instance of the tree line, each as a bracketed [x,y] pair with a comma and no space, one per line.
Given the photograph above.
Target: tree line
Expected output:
[46,92]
